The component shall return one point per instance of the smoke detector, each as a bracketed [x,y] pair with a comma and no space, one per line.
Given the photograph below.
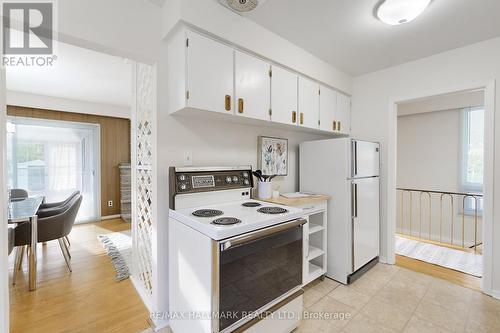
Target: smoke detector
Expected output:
[241,7]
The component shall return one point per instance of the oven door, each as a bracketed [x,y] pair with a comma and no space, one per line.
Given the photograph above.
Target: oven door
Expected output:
[254,270]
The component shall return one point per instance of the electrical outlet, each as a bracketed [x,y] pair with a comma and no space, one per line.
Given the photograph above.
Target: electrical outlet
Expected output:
[110,203]
[188,158]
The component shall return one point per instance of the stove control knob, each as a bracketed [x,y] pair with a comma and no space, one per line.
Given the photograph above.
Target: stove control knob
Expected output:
[245,174]
[235,179]
[228,180]
[183,187]
[246,181]
[182,178]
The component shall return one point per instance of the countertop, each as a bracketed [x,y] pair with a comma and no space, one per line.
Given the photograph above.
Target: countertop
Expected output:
[297,201]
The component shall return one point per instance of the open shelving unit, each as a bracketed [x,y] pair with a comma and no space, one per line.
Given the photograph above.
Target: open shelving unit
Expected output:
[315,245]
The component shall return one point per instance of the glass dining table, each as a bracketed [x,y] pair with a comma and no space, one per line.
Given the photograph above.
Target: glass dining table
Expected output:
[25,210]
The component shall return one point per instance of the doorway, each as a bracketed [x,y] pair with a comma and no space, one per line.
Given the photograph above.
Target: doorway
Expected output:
[486,204]
[55,158]
[440,182]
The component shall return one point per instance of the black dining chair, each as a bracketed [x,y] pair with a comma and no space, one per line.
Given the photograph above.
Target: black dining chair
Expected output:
[10,241]
[18,193]
[49,228]
[56,208]
[49,205]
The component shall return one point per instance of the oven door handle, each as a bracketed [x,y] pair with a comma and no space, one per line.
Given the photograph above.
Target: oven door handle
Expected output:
[239,240]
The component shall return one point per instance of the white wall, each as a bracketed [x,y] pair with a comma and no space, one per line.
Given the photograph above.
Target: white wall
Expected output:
[212,17]
[67,105]
[439,103]
[126,28]
[428,151]
[458,68]
[4,272]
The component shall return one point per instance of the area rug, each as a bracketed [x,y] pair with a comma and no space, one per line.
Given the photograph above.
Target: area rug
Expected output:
[470,263]
[118,246]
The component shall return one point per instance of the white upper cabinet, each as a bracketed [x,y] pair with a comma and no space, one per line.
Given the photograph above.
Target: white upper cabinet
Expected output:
[343,114]
[284,96]
[327,109]
[205,74]
[209,66]
[308,103]
[252,87]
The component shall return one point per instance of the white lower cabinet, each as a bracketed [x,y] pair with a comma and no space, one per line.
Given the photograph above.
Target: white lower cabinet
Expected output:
[315,243]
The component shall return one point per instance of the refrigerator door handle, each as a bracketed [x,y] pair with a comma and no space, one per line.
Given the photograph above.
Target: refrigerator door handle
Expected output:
[352,247]
[354,210]
[355,200]
[354,158]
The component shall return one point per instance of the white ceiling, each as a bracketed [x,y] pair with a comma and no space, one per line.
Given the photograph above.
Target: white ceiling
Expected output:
[78,74]
[346,34]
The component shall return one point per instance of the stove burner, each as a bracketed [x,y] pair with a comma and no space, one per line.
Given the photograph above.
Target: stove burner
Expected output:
[207,212]
[272,210]
[251,204]
[226,221]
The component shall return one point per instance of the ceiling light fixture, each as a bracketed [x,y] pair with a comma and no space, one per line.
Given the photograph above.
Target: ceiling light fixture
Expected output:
[395,12]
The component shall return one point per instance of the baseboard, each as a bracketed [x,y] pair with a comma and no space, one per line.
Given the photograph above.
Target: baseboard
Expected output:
[157,323]
[146,299]
[110,217]
[493,293]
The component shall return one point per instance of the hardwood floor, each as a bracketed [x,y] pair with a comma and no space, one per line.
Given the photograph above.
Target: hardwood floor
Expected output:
[450,275]
[87,300]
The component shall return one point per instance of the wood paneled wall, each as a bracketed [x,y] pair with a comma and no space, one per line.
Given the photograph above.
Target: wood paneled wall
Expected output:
[115,147]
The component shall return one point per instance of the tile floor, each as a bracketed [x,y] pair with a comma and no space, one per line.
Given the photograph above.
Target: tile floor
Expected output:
[393,299]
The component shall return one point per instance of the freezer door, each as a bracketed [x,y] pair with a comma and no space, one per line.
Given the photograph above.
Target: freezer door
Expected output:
[365,221]
[364,159]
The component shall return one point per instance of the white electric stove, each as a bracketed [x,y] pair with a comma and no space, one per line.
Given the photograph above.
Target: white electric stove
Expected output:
[230,256]
[259,215]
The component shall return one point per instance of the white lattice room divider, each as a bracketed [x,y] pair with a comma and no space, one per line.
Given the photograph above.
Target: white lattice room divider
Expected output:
[143,180]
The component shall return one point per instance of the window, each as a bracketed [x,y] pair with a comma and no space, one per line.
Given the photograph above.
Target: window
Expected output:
[53,159]
[472,154]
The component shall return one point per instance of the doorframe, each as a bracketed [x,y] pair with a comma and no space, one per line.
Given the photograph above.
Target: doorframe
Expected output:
[4,256]
[488,183]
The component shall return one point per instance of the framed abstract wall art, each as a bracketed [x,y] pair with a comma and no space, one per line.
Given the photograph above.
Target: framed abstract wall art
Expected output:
[273,156]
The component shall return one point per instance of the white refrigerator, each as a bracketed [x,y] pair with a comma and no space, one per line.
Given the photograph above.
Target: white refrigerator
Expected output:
[348,171]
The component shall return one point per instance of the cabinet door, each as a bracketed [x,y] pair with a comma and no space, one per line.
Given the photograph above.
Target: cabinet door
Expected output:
[308,103]
[284,96]
[327,109]
[252,87]
[209,74]
[343,113]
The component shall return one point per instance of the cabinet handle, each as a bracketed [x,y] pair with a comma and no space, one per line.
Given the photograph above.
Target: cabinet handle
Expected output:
[228,102]
[294,117]
[334,125]
[301,118]
[338,125]
[240,105]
